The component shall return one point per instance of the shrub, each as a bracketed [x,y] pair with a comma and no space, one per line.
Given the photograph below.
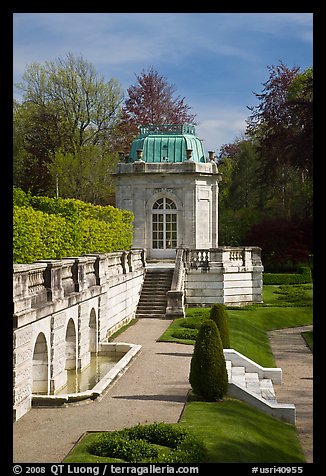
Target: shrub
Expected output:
[185,333]
[135,444]
[54,228]
[219,315]
[115,445]
[208,375]
[303,276]
[20,198]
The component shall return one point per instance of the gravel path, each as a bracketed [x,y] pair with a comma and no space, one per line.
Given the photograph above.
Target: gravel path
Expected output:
[154,388]
[295,358]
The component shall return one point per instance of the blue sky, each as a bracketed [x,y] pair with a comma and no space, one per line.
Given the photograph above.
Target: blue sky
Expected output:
[217,61]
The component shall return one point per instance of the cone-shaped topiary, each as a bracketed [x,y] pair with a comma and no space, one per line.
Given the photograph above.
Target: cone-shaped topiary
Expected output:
[219,315]
[208,375]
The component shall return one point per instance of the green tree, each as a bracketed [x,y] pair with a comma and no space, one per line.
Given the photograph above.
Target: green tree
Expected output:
[66,107]
[85,175]
[219,315]
[208,375]
[241,191]
[282,122]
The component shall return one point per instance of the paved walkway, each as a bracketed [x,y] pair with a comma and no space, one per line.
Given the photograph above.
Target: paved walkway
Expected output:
[154,388]
[296,361]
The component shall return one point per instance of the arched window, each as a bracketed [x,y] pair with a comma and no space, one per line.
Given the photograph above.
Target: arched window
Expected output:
[164,224]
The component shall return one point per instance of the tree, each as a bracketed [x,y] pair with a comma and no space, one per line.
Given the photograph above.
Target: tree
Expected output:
[67,106]
[282,121]
[286,243]
[241,192]
[85,174]
[208,375]
[151,101]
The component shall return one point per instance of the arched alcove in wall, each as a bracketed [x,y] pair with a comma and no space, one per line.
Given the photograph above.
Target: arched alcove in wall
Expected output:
[70,349]
[40,368]
[93,331]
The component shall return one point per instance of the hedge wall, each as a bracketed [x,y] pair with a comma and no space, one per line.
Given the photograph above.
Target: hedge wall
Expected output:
[51,228]
[303,276]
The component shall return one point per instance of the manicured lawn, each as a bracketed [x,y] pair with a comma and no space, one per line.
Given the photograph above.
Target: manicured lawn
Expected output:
[235,432]
[284,306]
[232,432]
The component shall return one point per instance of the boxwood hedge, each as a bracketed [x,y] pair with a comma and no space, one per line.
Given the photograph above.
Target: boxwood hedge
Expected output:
[155,443]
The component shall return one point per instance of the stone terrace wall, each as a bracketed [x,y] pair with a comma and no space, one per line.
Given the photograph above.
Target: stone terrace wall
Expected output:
[62,310]
[226,275]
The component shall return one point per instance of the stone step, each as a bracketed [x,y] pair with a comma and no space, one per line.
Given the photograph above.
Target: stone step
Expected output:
[159,289]
[152,301]
[142,315]
[159,309]
[251,387]
[251,382]
[267,389]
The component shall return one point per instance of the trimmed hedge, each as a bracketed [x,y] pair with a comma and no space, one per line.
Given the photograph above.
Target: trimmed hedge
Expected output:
[153,443]
[303,276]
[54,228]
[219,315]
[208,375]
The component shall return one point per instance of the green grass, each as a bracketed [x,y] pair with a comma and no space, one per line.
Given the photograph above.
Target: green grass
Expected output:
[232,432]
[308,337]
[284,306]
[235,432]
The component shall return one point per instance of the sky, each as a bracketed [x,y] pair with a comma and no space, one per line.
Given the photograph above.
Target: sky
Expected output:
[216,61]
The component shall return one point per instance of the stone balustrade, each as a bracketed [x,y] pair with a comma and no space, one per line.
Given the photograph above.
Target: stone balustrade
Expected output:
[228,275]
[46,281]
[225,256]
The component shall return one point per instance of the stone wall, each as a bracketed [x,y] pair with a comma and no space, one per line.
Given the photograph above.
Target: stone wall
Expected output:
[63,309]
[226,275]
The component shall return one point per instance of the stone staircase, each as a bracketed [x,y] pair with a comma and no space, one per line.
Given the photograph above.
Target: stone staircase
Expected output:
[152,301]
[254,384]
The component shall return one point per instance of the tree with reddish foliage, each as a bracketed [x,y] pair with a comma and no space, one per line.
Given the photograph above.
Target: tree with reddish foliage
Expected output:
[150,101]
[285,243]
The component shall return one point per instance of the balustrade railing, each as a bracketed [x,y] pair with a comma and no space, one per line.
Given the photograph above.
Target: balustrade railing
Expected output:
[203,260]
[45,281]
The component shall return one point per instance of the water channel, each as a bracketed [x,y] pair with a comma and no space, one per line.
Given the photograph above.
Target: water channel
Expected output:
[86,379]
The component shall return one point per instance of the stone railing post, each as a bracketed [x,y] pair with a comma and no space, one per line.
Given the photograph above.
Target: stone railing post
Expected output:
[136,259]
[79,273]
[124,261]
[216,258]
[21,298]
[53,280]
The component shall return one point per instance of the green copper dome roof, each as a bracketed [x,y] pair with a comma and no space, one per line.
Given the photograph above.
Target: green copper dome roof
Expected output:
[167,143]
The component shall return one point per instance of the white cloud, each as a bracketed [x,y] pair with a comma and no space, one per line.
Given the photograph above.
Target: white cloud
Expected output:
[221,126]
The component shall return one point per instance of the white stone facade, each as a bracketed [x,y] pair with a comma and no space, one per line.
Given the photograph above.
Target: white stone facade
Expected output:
[193,189]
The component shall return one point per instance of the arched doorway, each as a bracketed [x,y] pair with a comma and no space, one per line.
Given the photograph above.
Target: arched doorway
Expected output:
[164,228]
[40,366]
